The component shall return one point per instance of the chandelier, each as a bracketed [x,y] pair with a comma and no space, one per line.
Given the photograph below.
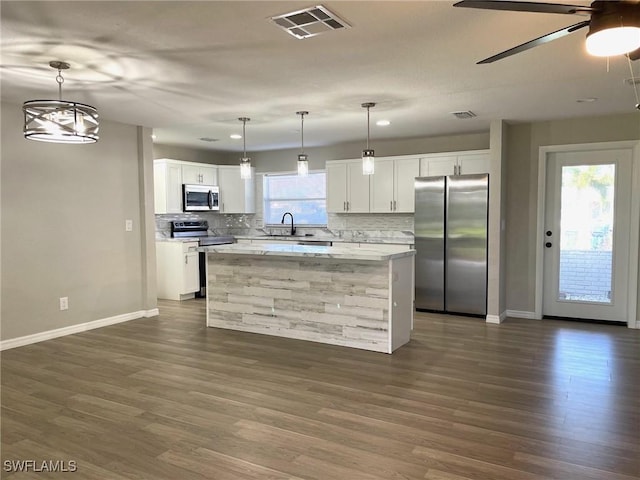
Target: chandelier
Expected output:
[60,121]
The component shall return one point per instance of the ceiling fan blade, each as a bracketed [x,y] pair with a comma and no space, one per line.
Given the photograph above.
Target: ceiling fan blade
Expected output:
[535,42]
[524,6]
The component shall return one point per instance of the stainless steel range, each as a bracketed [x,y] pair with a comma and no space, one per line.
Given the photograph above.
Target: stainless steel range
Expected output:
[199,229]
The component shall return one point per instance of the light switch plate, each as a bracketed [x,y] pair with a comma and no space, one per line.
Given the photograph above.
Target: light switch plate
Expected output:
[128,225]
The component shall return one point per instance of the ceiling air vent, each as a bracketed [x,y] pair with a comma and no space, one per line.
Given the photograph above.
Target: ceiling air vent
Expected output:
[309,22]
[463,115]
[208,139]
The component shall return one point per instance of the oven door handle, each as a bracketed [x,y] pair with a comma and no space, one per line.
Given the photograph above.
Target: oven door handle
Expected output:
[210,200]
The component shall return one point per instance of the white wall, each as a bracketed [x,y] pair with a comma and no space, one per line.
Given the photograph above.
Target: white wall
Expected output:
[63,212]
[523,147]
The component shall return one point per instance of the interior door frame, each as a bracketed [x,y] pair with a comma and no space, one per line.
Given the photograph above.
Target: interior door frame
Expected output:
[634,225]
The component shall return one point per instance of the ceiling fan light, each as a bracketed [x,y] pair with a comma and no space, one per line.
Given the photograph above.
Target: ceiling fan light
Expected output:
[613,41]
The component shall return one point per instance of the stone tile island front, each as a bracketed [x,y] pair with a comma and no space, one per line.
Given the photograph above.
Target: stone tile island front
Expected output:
[355,297]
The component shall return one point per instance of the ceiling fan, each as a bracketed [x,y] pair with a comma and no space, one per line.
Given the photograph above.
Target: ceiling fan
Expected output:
[612,23]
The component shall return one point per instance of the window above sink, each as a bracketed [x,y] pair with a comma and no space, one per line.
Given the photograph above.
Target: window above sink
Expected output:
[304,196]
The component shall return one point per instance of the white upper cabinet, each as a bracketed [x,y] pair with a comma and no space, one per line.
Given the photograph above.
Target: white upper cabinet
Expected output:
[392,185]
[199,174]
[455,163]
[347,187]
[236,195]
[167,179]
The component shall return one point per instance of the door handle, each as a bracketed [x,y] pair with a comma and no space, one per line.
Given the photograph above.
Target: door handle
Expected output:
[391,205]
[548,244]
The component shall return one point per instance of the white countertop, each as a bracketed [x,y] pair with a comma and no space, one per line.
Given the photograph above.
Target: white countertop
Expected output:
[311,251]
[317,238]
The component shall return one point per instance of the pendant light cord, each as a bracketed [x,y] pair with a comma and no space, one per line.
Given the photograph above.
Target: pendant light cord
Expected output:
[368,126]
[244,138]
[302,131]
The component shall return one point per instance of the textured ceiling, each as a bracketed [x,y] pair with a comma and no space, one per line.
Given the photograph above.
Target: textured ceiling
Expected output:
[190,69]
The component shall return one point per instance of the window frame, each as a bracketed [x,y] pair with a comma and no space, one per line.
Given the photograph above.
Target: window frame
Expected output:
[291,174]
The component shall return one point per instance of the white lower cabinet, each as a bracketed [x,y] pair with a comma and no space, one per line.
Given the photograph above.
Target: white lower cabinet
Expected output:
[177,265]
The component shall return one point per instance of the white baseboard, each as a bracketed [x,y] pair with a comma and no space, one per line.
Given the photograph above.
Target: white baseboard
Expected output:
[81,327]
[496,319]
[521,314]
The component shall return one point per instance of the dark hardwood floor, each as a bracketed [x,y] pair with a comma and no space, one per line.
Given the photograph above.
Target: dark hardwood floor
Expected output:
[166,398]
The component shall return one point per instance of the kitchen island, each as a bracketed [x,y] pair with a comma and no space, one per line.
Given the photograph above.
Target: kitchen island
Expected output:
[355,297]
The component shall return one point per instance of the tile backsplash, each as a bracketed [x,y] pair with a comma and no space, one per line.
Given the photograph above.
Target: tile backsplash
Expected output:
[339,225]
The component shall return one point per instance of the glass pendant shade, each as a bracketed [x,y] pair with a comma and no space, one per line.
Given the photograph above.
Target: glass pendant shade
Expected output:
[303,165]
[613,41]
[245,168]
[60,121]
[368,162]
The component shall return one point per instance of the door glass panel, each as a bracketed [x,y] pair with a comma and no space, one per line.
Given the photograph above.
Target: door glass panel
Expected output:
[586,227]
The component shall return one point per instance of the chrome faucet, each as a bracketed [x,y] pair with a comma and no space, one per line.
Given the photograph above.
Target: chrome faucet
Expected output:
[293,229]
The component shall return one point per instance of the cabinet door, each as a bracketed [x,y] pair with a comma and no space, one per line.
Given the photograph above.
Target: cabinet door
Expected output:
[405,173]
[438,166]
[336,188]
[199,174]
[357,188]
[167,195]
[381,185]
[191,278]
[236,195]
[476,163]
[209,175]
[191,174]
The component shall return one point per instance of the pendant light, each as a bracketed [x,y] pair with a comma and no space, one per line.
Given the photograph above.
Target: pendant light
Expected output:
[60,121]
[368,155]
[303,160]
[245,162]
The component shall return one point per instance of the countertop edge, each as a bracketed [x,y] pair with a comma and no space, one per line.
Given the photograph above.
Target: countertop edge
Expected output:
[306,251]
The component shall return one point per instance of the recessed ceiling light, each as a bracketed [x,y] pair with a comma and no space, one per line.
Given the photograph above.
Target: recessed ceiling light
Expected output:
[153,136]
[383,123]
[235,136]
[586,100]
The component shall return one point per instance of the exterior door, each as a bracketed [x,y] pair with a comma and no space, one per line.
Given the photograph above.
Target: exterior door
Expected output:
[586,234]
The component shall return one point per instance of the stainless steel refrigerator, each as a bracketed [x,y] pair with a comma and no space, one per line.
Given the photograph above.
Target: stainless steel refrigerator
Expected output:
[451,242]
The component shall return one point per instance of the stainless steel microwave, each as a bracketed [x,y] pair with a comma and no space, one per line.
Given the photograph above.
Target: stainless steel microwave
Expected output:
[198,198]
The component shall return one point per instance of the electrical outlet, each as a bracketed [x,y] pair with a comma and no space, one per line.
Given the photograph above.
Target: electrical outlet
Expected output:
[128,225]
[64,303]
